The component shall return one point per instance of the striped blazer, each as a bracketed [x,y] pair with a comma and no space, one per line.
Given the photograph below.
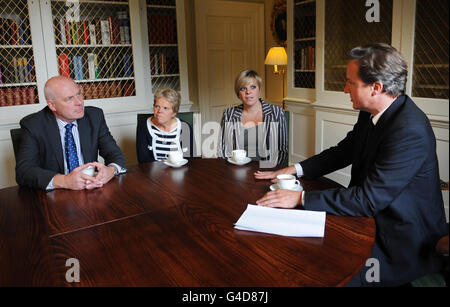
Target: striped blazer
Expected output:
[273,132]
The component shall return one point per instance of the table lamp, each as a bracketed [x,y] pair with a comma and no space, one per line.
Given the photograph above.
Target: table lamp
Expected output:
[277,56]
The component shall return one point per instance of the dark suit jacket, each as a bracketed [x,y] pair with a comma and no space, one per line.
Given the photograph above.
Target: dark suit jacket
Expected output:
[395,180]
[40,155]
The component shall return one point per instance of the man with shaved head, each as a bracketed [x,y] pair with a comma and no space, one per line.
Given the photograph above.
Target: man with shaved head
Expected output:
[63,139]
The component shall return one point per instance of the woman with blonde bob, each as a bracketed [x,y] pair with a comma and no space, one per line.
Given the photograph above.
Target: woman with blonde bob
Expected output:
[255,126]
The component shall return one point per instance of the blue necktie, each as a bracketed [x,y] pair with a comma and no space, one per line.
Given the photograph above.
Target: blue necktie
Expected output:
[70,149]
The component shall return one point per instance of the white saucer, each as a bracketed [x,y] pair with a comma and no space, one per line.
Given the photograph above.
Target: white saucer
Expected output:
[244,161]
[297,188]
[182,162]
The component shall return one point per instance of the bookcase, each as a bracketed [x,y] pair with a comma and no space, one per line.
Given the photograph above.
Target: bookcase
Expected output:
[119,51]
[17,69]
[94,47]
[304,43]
[163,44]
[430,69]
[353,30]
[301,49]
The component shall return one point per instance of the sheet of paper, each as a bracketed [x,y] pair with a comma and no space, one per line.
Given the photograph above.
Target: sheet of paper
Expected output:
[285,222]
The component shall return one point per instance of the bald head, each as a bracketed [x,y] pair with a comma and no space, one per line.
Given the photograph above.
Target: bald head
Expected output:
[54,85]
[64,98]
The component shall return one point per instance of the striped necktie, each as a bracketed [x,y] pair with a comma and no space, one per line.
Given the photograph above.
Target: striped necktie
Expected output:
[70,149]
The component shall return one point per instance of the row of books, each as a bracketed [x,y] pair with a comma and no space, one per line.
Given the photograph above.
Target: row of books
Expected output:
[16,70]
[14,32]
[17,96]
[95,66]
[161,64]
[107,89]
[162,29]
[109,31]
[305,58]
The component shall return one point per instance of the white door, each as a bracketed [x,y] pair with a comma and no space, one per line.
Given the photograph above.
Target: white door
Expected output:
[230,38]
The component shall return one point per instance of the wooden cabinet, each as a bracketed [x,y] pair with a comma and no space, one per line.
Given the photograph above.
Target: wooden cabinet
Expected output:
[93,46]
[430,71]
[165,46]
[301,49]
[17,58]
[304,43]
[119,52]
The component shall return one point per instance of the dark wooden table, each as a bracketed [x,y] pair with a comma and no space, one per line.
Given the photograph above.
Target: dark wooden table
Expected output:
[162,226]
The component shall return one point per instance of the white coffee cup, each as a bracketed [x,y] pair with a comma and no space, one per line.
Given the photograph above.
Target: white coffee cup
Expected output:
[238,155]
[287,182]
[175,157]
[90,171]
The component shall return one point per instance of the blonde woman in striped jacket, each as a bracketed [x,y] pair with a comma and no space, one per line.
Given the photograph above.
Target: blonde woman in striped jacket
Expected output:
[256,126]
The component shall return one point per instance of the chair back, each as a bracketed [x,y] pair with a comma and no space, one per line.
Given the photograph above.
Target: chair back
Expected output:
[16,138]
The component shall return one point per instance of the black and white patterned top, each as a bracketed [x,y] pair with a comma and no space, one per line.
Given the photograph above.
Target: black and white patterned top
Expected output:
[268,142]
[162,141]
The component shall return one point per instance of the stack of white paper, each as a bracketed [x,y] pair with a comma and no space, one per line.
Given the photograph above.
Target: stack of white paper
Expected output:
[285,222]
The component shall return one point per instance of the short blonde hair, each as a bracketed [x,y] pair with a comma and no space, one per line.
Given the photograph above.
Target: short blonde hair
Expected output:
[244,78]
[171,95]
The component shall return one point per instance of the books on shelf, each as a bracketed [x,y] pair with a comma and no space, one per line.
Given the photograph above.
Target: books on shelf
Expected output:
[16,70]
[106,36]
[92,35]
[305,58]
[95,66]
[63,61]
[92,66]
[78,71]
[17,96]
[162,29]
[127,67]
[110,30]
[124,27]
[14,31]
[162,64]
[107,89]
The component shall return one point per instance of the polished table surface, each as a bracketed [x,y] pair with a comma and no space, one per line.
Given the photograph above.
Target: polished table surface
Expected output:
[163,226]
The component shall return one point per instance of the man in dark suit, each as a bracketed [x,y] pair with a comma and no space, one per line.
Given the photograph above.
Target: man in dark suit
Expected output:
[394,177]
[65,138]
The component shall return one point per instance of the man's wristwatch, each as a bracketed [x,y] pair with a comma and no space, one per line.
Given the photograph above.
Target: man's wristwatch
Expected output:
[116,171]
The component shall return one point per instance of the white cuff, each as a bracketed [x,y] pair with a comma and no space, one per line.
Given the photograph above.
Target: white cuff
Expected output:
[299,169]
[119,168]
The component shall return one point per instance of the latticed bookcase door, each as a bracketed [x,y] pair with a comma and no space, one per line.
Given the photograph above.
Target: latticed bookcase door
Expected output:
[430,71]
[94,46]
[346,27]
[163,44]
[305,43]
[17,69]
